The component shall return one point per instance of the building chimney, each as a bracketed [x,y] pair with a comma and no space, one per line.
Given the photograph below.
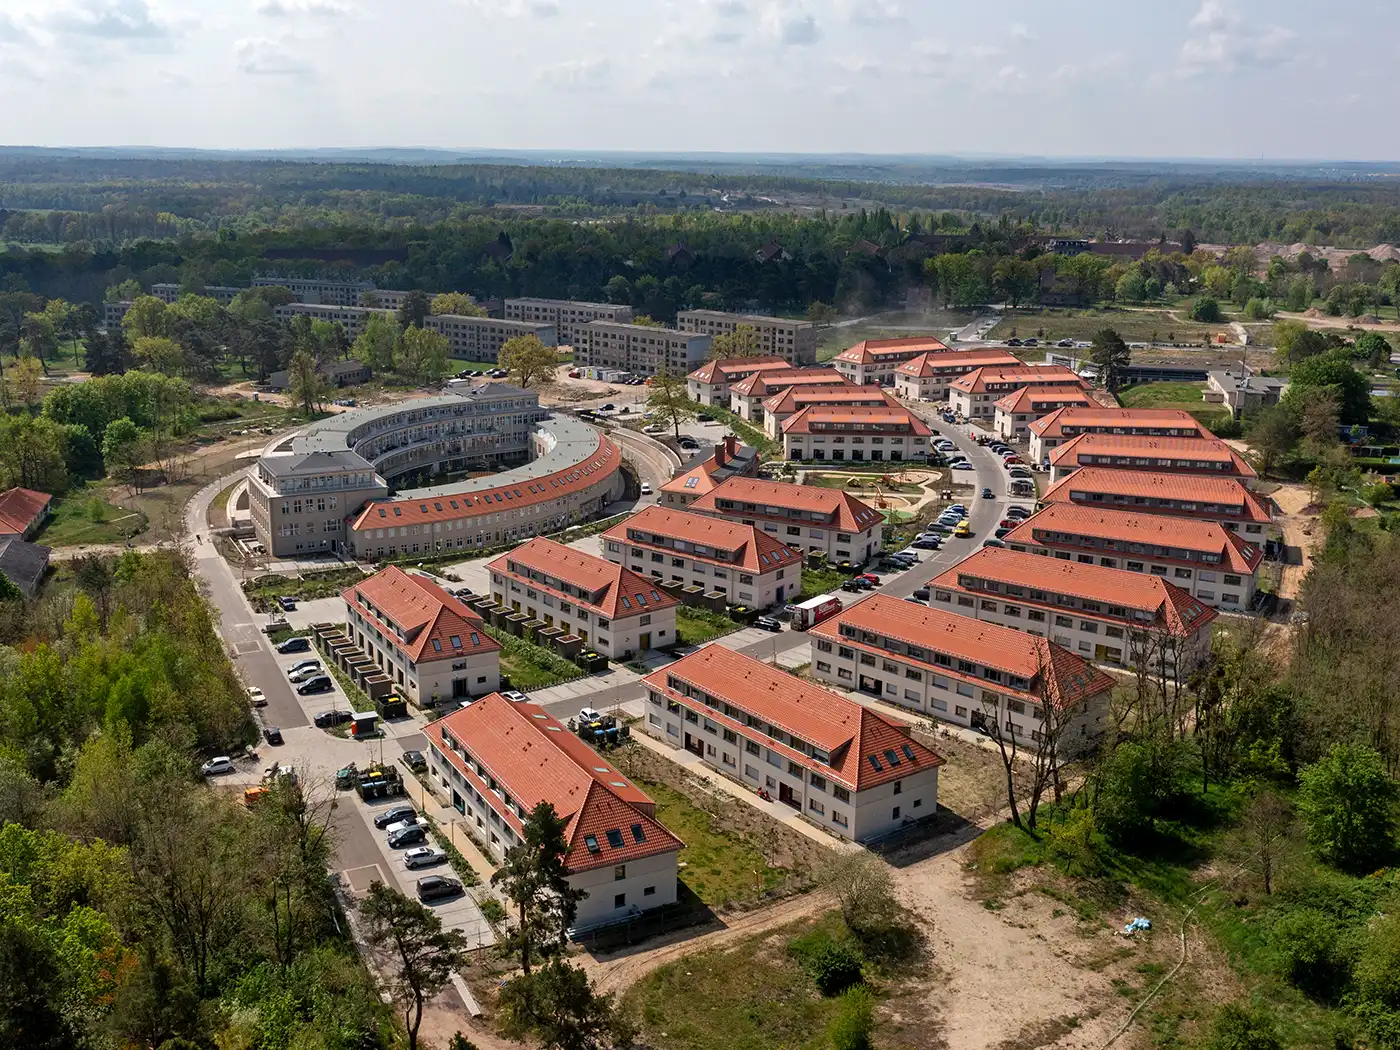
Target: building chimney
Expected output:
[731,445]
[721,453]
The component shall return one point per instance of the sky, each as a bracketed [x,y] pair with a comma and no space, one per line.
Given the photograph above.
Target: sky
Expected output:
[1250,79]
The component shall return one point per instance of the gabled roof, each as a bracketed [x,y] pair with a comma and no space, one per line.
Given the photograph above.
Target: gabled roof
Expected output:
[738,459]
[1071,677]
[847,730]
[624,592]
[419,617]
[796,398]
[20,508]
[1135,591]
[534,759]
[1129,419]
[869,351]
[833,416]
[938,363]
[844,511]
[718,371]
[24,563]
[765,384]
[1126,527]
[1029,397]
[755,550]
[1162,453]
[1149,485]
[977,381]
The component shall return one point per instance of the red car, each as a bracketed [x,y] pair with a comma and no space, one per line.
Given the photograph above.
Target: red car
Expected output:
[870,576]
[1010,523]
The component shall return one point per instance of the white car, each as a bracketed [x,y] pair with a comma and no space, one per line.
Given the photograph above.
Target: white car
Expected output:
[646,488]
[423,856]
[216,767]
[256,697]
[305,674]
[401,825]
[514,695]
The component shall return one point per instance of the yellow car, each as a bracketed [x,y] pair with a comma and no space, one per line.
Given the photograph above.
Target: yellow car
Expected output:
[964,530]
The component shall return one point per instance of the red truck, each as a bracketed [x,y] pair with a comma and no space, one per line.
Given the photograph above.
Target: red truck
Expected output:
[814,610]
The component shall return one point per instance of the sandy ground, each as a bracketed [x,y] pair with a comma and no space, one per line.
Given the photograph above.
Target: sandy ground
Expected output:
[1300,525]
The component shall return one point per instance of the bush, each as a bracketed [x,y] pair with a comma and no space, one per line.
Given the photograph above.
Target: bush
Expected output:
[833,965]
[492,910]
[1242,1028]
[1377,970]
[1348,801]
[851,1027]
[1259,309]
[1228,427]
[1070,843]
[1206,310]
[1308,946]
[1374,494]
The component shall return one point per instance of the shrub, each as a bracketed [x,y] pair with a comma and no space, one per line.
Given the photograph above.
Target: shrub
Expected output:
[1308,946]
[1259,309]
[1239,1027]
[1381,493]
[855,1019]
[1377,970]
[1071,843]
[832,965]
[1348,801]
[1206,310]
[1228,427]
[492,910]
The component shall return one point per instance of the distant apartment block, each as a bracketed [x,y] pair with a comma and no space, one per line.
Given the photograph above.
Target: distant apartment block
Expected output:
[566,315]
[794,341]
[222,294]
[641,349]
[873,361]
[927,376]
[112,313]
[1017,411]
[481,338]
[835,432]
[1139,452]
[1051,431]
[807,517]
[710,383]
[352,318]
[1227,501]
[318,292]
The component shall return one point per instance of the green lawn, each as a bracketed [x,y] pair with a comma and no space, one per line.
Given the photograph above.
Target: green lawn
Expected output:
[264,590]
[747,433]
[836,481]
[1135,326]
[531,666]
[457,364]
[822,581]
[694,626]
[1186,396]
[83,517]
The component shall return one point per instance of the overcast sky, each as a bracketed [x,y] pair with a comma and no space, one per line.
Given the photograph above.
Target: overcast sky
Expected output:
[1219,78]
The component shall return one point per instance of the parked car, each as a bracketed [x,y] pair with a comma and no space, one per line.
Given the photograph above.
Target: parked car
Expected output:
[988,494]
[312,686]
[411,836]
[963,465]
[963,531]
[423,857]
[1017,512]
[767,623]
[296,677]
[993,543]
[514,695]
[414,760]
[272,735]
[1013,341]
[1030,341]
[256,696]
[928,543]
[1065,342]
[852,586]
[609,407]
[394,815]
[438,888]
[299,644]
[1001,532]
[217,767]
[287,602]
[327,719]
[305,665]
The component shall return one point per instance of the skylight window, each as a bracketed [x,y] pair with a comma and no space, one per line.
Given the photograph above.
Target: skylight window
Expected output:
[891,757]
[456,641]
[591,841]
[875,763]
[614,838]
[476,638]
[638,835]
[437,646]
[908,751]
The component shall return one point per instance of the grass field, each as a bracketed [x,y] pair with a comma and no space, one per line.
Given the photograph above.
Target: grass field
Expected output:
[84,517]
[694,626]
[1186,396]
[1135,326]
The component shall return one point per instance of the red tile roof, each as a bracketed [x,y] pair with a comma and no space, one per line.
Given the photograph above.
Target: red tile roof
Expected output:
[832,416]
[1071,678]
[1133,591]
[931,364]
[848,731]
[1028,398]
[1222,492]
[1162,453]
[1129,419]
[755,550]
[20,510]
[765,384]
[624,593]
[428,616]
[842,510]
[1125,528]
[384,513]
[977,381]
[534,759]
[796,398]
[868,351]
[719,370]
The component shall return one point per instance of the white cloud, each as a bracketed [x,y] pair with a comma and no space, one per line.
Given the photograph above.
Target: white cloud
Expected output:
[544,9]
[516,8]
[11,32]
[106,20]
[576,74]
[1020,31]
[726,8]
[1219,41]
[293,8]
[260,56]
[1211,16]
[869,12]
[790,25]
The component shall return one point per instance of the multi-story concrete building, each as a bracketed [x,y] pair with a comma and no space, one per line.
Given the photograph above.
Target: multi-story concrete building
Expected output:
[741,562]
[1205,559]
[565,315]
[495,761]
[299,499]
[388,298]
[481,338]
[842,765]
[1015,412]
[709,384]
[926,376]
[431,645]
[1226,501]
[966,673]
[1111,616]
[1054,430]
[730,459]
[892,434]
[170,293]
[807,517]
[1207,456]
[1246,392]
[787,403]
[616,611]
[352,318]
[112,313]
[336,373]
[975,394]
[873,361]
[794,341]
[317,291]
[746,397]
[642,349]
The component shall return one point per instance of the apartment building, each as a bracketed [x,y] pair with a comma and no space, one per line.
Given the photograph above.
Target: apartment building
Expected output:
[112,314]
[1207,456]
[787,403]
[318,292]
[299,502]
[170,293]
[709,384]
[730,459]
[841,765]
[1013,414]
[1111,616]
[566,316]
[481,338]
[794,341]
[640,349]
[1205,559]
[1226,501]
[926,377]
[892,434]
[1055,429]
[352,318]
[806,517]
[614,610]
[960,671]
[741,562]
[746,397]
[495,761]
[428,642]
[872,362]
[1247,392]
[975,394]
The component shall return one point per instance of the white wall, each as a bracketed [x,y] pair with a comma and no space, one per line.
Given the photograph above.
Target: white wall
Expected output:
[758,591]
[657,874]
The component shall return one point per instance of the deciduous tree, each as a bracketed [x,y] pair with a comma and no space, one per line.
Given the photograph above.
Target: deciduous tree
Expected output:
[377,344]
[744,341]
[423,356]
[527,359]
[459,304]
[1348,803]
[670,401]
[534,878]
[306,386]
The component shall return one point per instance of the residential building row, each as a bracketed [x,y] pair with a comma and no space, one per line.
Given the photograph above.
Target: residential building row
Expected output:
[315,291]
[873,362]
[641,349]
[1015,412]
[794,341]
[481,338]
[1227,501]
[565,316]
[352,318]
[927,376]
[975,394]
[729,459]
[1168,455]
[710,383]
[746,397]
[805,517]
[1054,429]
[785,404]
[856,433]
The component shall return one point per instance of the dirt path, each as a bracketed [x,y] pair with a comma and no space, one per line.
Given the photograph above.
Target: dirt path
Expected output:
[1299,523]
